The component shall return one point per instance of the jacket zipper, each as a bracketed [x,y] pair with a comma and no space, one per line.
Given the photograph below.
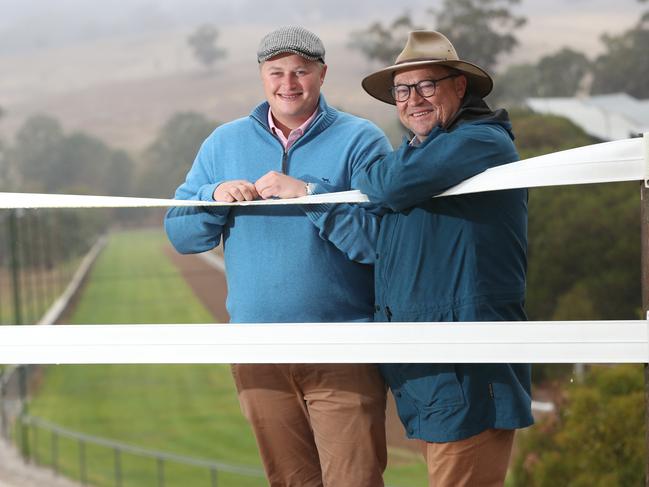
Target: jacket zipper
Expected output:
[384,275]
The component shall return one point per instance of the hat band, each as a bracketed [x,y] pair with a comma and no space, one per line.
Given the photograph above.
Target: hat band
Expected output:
[417,59]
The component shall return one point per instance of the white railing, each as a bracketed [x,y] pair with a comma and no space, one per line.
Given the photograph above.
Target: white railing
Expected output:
[529,342]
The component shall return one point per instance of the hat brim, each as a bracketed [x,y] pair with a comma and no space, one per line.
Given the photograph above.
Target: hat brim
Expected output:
[309,57]
[378,84]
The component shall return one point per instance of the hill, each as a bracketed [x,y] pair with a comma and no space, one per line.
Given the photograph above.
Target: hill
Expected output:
[123,89]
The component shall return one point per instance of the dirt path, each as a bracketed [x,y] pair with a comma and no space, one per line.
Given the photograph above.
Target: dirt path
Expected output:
[14,472]
[208,283]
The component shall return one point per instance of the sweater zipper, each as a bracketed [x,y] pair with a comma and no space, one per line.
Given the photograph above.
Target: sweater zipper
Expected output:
[284,161]
[284,166]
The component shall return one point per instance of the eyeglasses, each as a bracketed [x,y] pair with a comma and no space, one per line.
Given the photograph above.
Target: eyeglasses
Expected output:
[425,88]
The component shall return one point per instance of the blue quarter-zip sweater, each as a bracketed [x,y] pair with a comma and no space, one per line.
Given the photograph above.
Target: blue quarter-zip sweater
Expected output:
[287,263]
[459,258]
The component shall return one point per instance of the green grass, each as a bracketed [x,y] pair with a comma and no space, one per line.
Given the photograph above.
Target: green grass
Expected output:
[134,282]
[189,410]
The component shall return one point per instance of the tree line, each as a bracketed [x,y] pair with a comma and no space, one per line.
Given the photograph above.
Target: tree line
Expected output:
[484,31]
[43,158]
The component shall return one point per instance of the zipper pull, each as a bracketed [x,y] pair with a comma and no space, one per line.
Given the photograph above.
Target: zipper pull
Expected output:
[388,313]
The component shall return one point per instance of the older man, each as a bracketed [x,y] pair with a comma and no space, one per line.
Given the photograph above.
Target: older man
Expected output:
[459,258]
[315,425]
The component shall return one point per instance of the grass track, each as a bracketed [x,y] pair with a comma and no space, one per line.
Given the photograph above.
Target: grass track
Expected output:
[183,409]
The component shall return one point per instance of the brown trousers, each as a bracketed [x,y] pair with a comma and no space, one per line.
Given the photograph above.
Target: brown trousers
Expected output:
[316,425]
[478,461]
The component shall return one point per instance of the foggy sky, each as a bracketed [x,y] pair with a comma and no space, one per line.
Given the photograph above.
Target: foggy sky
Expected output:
[36,24]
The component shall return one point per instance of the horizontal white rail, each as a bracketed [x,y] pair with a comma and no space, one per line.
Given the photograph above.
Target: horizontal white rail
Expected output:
[484,342]
[41,200]
[620,160]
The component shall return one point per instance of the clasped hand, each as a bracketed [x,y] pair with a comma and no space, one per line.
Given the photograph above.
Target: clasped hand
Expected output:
[271,185]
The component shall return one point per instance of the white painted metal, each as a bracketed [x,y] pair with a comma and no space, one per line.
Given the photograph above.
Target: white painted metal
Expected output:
[621,160]
[485,342]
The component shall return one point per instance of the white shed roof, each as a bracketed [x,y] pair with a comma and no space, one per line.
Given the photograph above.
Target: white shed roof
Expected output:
[607,117]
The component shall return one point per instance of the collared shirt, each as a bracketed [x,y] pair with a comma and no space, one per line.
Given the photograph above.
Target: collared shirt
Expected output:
[295,134]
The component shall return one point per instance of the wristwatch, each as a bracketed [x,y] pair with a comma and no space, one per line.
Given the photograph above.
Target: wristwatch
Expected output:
[310,188]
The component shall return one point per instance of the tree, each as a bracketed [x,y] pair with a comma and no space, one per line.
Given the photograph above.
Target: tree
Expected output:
[480,30]
[561,73]
[203,43]
[89,165]
[36,153]
[118,177]
[4,164]
[48,160]
[517,83]
[169,157]
[597,440]
[624,66]
[558,74]
[5,182]
[584,241]
[383,44]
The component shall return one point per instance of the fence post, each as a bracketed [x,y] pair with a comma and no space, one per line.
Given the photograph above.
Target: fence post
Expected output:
[18,320]
[161,471]
[37,459]
[644,236]
[15,266]
[82,463]
[55,452]
[118,468]
[4,417]
[24,427]
[213,476]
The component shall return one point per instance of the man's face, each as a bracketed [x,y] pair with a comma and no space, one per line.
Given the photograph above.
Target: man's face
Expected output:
[292,87]
[420,114]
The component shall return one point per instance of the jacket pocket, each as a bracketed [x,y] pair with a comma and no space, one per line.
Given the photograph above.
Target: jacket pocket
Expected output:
[432,386]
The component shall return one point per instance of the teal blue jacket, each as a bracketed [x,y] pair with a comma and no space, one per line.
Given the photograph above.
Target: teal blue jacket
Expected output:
[460,258]
[287,263]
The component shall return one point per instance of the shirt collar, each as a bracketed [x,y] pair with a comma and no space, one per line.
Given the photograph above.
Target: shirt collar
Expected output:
[302,128]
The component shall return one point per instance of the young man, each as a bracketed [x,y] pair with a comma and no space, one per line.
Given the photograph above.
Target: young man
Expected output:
[316,425]
[459,258]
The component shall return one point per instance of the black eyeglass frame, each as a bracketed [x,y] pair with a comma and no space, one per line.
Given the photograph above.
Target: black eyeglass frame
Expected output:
[417,87]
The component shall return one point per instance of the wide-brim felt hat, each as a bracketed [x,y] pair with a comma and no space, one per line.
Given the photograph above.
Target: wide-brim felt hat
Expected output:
[427,48]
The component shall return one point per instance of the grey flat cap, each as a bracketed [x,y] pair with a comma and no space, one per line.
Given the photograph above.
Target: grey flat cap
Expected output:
[293,39]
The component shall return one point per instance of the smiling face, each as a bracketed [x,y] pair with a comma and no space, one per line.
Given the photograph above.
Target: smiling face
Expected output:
[421,115]
[292,87]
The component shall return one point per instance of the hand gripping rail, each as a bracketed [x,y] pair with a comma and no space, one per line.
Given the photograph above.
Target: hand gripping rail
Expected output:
[621,160]
[484,342]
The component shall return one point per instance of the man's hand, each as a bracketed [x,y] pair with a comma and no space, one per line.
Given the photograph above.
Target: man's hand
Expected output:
[236,190]
[277,185]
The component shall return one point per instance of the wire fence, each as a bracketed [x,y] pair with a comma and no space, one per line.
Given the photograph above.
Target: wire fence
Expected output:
[127,462]
[38,257]
[38,263]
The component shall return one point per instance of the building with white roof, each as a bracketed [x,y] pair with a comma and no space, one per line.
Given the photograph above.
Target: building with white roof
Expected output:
[606,117]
